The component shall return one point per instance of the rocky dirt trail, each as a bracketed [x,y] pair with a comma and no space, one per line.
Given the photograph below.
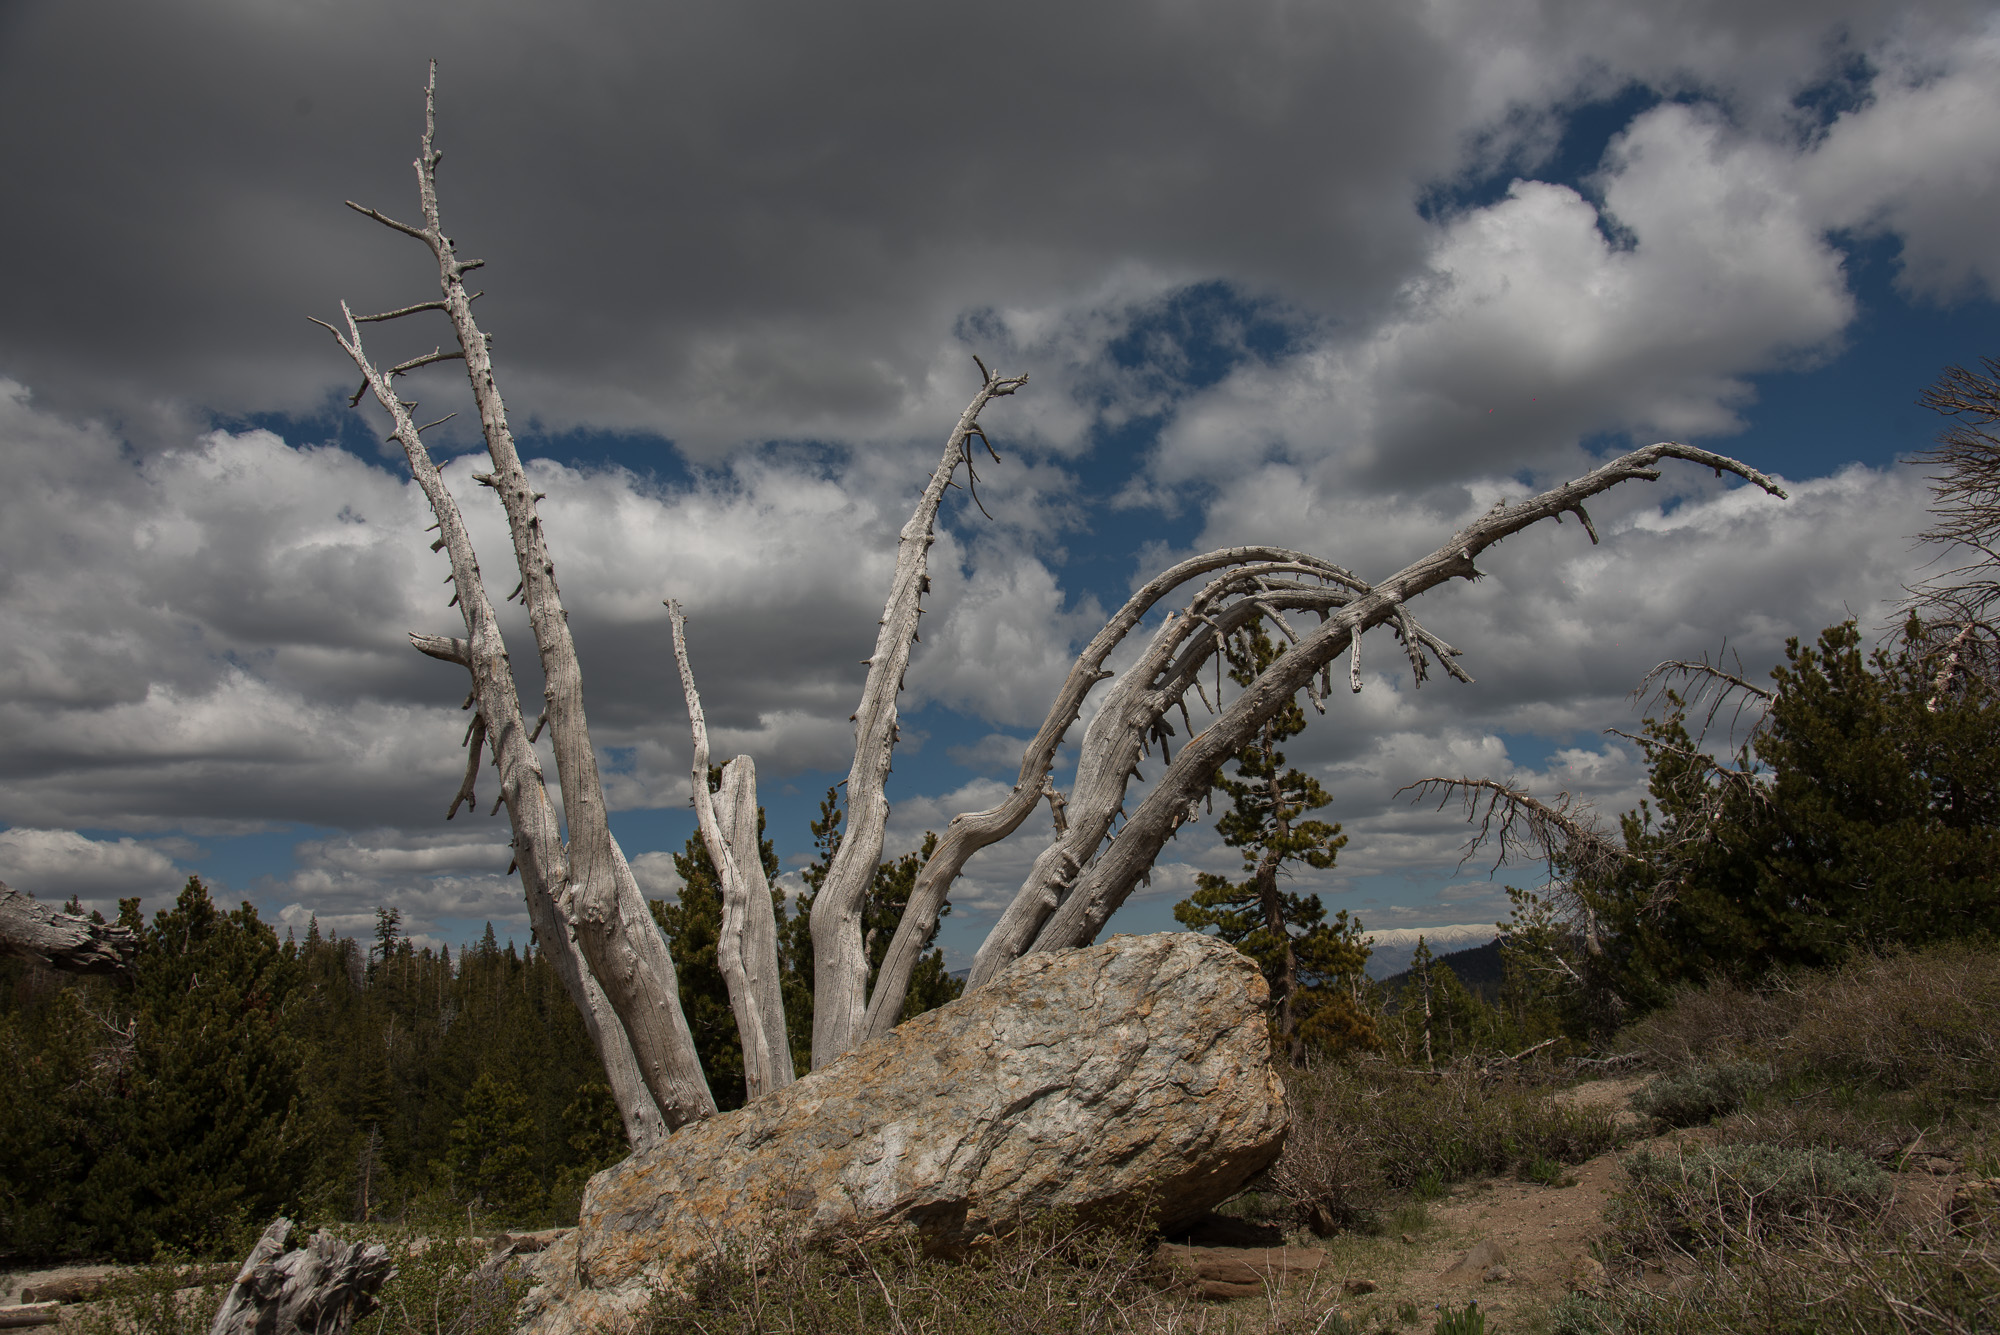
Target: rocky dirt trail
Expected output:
[1515,1247]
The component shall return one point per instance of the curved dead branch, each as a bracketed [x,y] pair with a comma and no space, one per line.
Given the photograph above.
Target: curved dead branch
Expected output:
[1111,877]
[971,831]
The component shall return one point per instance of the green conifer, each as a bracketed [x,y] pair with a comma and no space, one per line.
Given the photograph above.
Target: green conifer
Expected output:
[1313,967]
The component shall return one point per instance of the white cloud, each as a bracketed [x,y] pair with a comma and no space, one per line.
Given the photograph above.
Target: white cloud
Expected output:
[54,865]
[1920,160]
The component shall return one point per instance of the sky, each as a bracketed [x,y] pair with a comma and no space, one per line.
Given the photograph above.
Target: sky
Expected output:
[1336,276]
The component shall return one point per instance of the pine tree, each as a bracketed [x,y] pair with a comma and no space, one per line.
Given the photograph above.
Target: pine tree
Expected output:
[1875,821]
[1311,966]
[492,1153]
[211,1134]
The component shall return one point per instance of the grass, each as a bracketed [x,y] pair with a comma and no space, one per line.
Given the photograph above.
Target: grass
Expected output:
[1364,1134]
[1779,1226]
[1831,1281]
[1698,1197]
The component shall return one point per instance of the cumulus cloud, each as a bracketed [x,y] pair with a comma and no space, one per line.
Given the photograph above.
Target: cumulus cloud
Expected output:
[777,252]
[56,865]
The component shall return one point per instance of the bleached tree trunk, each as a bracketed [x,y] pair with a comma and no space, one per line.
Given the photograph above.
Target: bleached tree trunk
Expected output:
[538,848]
[597,894]
[971,831]
[840,956]
[30,930]
[746,948]
[583,893]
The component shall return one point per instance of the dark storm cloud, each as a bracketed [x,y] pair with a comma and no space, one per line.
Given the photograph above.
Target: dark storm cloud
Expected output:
[727,219]
[751,213]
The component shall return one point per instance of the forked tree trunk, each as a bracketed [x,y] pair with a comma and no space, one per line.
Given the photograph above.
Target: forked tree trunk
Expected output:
[746,947]
[597,892]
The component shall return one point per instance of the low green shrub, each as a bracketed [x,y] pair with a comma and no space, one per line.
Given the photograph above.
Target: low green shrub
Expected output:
[1693,1199]
[1702,1093]
[155,1300]
[443,1287]
[1056,1278]
[1833,1279]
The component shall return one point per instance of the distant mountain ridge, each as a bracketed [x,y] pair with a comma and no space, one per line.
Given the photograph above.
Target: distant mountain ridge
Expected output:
[1392,948]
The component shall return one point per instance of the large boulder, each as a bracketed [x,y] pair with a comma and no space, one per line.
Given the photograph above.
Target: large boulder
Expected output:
[1130,1077]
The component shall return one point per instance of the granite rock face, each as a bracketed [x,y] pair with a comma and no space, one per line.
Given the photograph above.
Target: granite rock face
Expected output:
[1132,1074]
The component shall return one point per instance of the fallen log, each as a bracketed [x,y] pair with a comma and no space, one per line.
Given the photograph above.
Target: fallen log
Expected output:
[32,930]
[29,1314]
[85,1288]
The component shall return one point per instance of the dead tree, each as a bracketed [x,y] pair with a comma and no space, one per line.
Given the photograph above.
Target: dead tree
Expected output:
[1956,607]
[322,1288]
[67,941]
[1572,840]
[583,900]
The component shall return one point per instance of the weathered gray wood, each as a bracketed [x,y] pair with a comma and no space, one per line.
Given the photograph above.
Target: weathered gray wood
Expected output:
[840,957]
[23,1315]
[746,948]
[33,930]
[595,892]
[322,1288]
[1106,883]
[1134,714]
[971,831]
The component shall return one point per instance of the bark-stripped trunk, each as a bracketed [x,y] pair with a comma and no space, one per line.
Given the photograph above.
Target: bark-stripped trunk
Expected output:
[840,956]
[597,895]
[538,849]
[586,905]
[746,948]
[971,831]
[62,940]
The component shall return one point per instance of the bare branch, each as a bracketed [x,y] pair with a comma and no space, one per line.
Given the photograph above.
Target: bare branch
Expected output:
[840,958]
[598,895]
[1104,885]
[971,831]
[539,854]
[1566,832]
[474,743]
[400,313]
